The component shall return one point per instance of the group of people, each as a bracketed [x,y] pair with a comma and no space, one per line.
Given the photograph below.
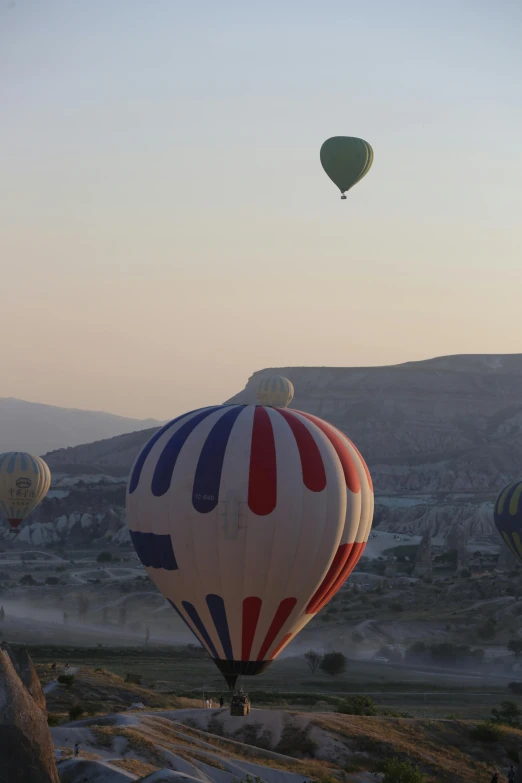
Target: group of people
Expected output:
[239,697]
[208,703]
[511,776]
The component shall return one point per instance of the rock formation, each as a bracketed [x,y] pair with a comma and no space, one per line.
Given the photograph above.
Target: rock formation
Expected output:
[423,565]
[390,569]
[26,748]
[507,561]
[456,541]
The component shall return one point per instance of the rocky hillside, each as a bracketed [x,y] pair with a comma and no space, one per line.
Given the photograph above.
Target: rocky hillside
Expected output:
[30,426]
[268,745]
[441,436]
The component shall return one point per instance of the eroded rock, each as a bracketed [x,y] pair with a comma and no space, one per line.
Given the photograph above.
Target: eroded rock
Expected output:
[26,748]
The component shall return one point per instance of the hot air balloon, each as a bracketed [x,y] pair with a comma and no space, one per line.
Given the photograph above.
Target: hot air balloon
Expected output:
[24,482]
[508,517]
[248,519]
[275,391]
[346,160]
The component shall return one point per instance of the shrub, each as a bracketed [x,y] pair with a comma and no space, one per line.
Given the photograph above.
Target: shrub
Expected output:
[396,771]
[515,687]
[52,580]
[67,680]
[104,557]
[487,732]
[27,579]
[76,711]
[53,719]
[357,705]
[92,707]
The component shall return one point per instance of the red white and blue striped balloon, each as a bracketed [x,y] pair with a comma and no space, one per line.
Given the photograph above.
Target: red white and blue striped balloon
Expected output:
[248,519]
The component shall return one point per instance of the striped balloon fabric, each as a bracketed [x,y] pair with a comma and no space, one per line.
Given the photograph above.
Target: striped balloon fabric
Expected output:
[508,517]
[276,391]
[248,519]
[24,482]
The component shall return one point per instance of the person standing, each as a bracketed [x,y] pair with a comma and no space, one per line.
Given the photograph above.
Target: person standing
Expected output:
[512,775]
[76,749]
[210,703]
[221,701]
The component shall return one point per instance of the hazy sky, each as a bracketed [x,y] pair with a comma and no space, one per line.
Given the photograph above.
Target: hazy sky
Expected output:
[167,228]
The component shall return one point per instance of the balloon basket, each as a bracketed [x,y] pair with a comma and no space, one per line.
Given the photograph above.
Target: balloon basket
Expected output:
[240,704]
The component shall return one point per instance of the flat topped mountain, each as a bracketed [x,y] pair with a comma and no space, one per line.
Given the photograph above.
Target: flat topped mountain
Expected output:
[37,428]
[441,436]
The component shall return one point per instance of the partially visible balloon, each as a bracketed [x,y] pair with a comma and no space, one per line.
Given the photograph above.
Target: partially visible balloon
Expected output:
[508,517]
[275,391]
[24,482]
[346,160]
[248,519]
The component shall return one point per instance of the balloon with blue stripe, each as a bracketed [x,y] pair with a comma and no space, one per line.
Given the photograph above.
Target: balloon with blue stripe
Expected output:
[24,482]
[508,517]
[249,519]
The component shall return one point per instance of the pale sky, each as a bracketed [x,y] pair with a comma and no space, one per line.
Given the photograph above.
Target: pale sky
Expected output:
[167,228]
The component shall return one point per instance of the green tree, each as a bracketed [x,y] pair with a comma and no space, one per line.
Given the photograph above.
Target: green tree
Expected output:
[27,579]
[333,663]
[515,646]
[417,650]
[509,713]
[104,557]
[396,771]
[313,659]
[67,680]
[76,711]
[486,631]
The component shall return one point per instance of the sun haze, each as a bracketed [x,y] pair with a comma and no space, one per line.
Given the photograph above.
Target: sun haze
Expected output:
[167,226]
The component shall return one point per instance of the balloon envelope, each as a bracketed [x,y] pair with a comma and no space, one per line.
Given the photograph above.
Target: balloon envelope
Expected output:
[24,482]
[275,391]
[248,519]
[346,160]
[508,517]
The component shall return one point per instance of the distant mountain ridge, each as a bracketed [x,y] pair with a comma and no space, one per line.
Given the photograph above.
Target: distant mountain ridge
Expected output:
[39,428]
[441,436]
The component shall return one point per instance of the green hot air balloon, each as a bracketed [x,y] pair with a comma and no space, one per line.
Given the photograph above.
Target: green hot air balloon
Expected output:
[346,160]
